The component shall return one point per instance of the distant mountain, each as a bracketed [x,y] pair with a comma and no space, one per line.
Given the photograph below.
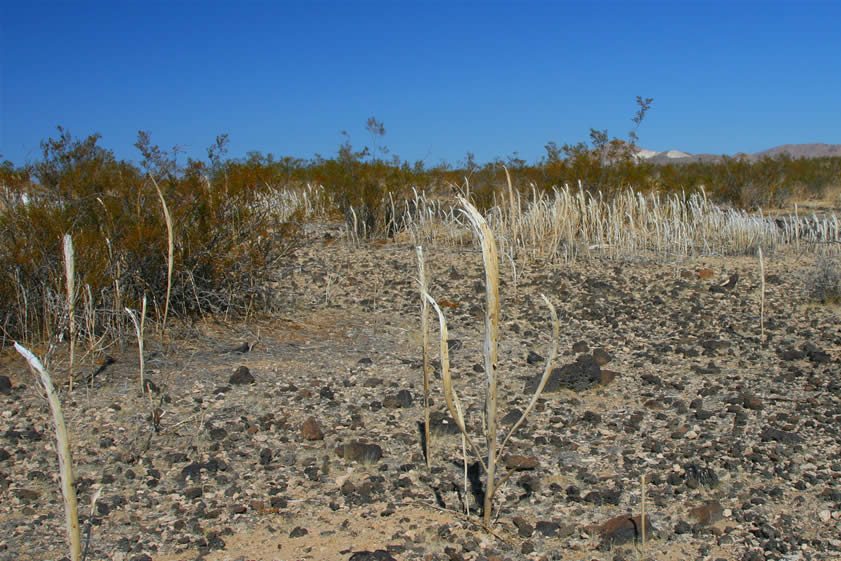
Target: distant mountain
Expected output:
[813,150]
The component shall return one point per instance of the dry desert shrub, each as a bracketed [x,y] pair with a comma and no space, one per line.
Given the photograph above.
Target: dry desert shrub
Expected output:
[823,280]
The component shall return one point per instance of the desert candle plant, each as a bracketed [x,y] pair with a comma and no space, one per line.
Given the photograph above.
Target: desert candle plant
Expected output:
[425,343]
[65,462]
[493,450]
[170,251]
[70,283]
[761,296]
[138,328]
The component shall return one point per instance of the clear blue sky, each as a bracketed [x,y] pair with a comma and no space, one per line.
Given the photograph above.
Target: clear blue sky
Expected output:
[444,77]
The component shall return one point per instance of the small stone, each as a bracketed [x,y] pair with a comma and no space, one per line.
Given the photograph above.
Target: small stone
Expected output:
[708,513]
[825,516]
[581,375]
[311,430]
[533,358]
[622,529]
[705,274]
[770,433]
[241,376]
[405,398]
[750,401]
[193,492]
[298,532]
[243,347]
[5,385]
[378,555]
[524,529]
[602,357]
[547,528]
[516,461]
[360,452]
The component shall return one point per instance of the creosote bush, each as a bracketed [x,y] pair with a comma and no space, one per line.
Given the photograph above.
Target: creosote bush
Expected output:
[226,240]
[823,282]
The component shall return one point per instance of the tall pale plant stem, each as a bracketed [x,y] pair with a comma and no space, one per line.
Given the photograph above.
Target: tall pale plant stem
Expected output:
[138,328]
[425,335]
[446,377]
[490,258]
[65,462]
[170,251]
[70,282]
[514,214]
[762,297]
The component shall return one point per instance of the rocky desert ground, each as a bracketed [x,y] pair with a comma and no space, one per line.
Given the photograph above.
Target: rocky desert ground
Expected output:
[296,436]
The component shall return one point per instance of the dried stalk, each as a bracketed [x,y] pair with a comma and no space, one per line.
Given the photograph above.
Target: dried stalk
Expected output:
[70,276]
[170,251]
[762,297]
[425,330]
[642,508]
[491,260]
[138,328]
[65,462]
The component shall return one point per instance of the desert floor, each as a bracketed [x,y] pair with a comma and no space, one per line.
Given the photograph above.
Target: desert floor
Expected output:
[663,374]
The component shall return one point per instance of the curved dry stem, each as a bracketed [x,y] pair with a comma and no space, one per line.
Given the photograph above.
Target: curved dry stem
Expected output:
[449,395]
[425,334]
[170,250]
[70,275]
[65,462]
[138,327]
[491,261]
[546,372]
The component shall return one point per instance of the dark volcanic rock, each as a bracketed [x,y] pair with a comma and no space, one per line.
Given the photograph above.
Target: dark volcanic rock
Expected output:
[547,528]
[403,399]
[311,430]
[298,532]
[441,424]
[770,433]
[698,475]
[360,452]
[581,375]
[241,376]
[378,555]
[622,529]
[524,529]
[602,357]
[516,461]
[534,358]
[5,385]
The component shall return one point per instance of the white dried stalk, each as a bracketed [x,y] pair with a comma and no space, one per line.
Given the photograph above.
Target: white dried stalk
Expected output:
[514,215]
[761,297]
[70,283]
[425,335]
[449,394]
[491,262]
[642,509]
[170,251]
[65,462]
[138,328]
[464,458]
